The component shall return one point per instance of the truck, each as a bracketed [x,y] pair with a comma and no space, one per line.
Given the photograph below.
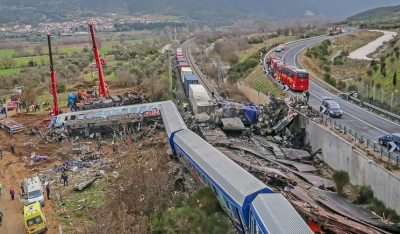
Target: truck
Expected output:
[18,96]
[33,191]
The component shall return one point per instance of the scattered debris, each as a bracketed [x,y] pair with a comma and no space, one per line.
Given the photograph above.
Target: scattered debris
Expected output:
[83,185]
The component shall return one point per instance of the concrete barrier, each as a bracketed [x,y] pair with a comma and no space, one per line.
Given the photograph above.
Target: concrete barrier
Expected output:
[340,154]
[253,95]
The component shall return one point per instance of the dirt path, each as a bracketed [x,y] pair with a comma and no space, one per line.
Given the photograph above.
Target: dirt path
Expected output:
[362,52]
[12,171]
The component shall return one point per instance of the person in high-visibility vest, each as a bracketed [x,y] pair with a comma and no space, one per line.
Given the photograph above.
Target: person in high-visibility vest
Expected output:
[275,75]
[306,95]
[279,79]
[185,106]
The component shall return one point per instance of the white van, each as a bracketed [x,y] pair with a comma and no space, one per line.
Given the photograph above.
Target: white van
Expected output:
[33,191]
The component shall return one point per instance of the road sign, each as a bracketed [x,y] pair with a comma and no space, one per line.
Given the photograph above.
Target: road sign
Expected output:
[297,37]
[267,47]
[391,146]
[284,39]
[261,53]
[285,88]
[260,60]
[323,109]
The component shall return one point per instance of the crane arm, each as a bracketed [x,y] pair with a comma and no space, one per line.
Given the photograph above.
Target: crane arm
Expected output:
[53,79]
[102,85]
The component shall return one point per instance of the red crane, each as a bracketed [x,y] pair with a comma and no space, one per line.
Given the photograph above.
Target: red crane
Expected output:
[53,81]
[102,85]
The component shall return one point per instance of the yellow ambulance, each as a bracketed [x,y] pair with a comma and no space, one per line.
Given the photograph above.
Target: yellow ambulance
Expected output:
[34,219]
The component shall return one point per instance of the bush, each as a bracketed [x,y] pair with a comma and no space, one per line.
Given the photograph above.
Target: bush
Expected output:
[352,87]
[341,179]
[249,63]
[327,76]
[309,54]
[373,62]
[365,194]
[340,84]
[375,68]
[61,88]
[369,72]
[327,68]
[256,40]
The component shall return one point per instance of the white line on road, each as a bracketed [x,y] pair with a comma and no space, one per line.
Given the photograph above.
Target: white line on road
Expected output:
[372,126]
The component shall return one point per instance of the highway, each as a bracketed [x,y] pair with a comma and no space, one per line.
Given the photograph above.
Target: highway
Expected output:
[362,121]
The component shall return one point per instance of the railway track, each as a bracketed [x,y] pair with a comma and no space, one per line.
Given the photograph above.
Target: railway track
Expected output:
[196,70]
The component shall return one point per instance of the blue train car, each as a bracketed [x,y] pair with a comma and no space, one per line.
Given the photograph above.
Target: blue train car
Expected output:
[172,121]
[234,187]
[273,214]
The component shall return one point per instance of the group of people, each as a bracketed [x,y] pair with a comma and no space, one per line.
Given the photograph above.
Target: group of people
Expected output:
[114,141]
[12,150]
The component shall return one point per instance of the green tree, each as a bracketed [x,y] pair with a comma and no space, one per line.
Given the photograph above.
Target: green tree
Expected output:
[395,78]
[341,179]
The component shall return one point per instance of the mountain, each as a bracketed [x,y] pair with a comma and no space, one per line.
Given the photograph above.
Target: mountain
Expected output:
[31,11]
[382,17]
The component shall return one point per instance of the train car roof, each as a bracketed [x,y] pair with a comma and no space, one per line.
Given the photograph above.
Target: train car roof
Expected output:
[232,179]
[171,118]
[276,215]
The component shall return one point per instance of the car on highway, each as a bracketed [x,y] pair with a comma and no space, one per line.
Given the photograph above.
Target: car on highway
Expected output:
[394,137]
[278,49]
[11,105]
[332,108]
[283,46]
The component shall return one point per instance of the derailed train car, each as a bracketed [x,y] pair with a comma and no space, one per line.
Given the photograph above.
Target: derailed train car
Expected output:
[108,119]
[249,203]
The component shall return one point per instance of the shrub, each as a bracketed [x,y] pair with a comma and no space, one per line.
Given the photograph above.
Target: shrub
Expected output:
[61,88]
[327,76]
[341,85]
[352,87]
[309,54]
[365,194]
[256,40]
[341,179]
[327,68]
[369,72]
[373,62]
[375,68]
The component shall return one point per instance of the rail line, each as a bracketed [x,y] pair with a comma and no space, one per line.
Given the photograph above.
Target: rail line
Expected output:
[196,70]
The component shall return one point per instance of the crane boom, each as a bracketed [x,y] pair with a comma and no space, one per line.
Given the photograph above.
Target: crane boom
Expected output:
[102,84]
[53,79]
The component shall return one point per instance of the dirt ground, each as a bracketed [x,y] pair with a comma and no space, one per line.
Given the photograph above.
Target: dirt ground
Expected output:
[13,168]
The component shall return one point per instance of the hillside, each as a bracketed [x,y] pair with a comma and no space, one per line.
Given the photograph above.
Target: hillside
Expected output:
[382,17]
[31,11]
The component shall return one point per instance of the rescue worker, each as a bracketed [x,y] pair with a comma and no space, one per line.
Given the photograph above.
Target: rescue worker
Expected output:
[44,104]
[64,176]
[279,79]
[185,106]
[1,219]
[98,145]
[306,95]
[1,153]
[115,148]
[1,186]
[48,190]
[12,193]
[12,149]
[11,133]
[22,188]
[276,76]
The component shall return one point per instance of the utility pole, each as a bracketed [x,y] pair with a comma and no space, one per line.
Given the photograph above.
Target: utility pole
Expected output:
[175,28]
[219,74]
[170,71]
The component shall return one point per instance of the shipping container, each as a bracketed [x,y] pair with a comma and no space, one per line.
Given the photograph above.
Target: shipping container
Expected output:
[199,99]
[185,70]
[190,79]
[179,54]
[181,60]
[179,50]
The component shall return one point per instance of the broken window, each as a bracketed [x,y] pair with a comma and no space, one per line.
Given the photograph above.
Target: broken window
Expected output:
[98,114]
[133,110]
[89,116]
[124,111]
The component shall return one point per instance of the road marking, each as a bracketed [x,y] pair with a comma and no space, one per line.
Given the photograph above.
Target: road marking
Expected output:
[360,108]
[372,126]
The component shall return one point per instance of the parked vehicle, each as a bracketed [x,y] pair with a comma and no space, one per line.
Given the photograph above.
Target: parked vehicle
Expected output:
[18,89]
[332,108]
[17,96]
[11,105]
[297,79]
[34,219]
[33,191]
[394,137]
[278,49]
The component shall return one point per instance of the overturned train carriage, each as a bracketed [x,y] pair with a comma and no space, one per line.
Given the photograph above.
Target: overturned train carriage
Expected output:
[252,206]
[109,119]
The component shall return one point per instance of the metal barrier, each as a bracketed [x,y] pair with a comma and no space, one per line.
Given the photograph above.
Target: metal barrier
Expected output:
[356,136]
[338,125]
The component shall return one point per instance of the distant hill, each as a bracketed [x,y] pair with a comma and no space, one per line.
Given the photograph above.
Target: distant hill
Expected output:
[382,17]
[31,11]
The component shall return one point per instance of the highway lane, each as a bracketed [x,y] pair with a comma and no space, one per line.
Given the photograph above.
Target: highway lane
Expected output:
[364,122]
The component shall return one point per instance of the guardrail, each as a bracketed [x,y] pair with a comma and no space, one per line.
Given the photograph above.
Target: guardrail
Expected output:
[330,87]
[333,122]
[357,137]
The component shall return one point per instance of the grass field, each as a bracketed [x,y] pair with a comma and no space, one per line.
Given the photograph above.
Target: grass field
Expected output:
[10,71]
